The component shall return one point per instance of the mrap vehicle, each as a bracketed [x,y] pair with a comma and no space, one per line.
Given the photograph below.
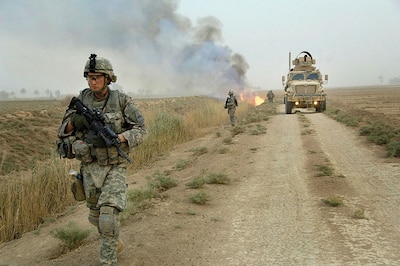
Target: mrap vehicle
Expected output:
[303,87]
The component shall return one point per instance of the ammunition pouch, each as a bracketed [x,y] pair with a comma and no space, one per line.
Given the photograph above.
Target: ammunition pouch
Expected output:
[87,153]
[82,151]
[109,155]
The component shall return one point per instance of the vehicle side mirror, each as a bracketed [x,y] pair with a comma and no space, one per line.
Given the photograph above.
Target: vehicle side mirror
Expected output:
[283,78]
[326,77]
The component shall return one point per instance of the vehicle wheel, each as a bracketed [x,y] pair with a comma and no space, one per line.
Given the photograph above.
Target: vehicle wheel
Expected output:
[288,107]
[323,106]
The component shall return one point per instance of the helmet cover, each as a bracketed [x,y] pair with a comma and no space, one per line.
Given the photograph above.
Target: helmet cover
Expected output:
[99,65]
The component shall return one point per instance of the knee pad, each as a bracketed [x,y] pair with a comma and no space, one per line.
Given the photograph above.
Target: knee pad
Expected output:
[109,221]
[93,217]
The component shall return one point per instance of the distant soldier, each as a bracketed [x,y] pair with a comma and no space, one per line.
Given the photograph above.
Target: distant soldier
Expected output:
[270,96]
[231,104]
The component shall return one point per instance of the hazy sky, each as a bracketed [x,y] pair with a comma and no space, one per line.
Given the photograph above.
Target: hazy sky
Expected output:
[195,46]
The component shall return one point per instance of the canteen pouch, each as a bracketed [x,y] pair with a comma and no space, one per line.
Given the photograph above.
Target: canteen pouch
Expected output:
[77,190]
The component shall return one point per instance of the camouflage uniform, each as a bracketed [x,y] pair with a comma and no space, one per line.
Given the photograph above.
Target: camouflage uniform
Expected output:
[270,96]
[102,168]
[231,104]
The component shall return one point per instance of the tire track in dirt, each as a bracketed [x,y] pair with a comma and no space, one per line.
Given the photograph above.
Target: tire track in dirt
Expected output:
[274,220]
[375,185]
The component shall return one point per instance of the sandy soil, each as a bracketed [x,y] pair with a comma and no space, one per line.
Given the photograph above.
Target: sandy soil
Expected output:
[271,214]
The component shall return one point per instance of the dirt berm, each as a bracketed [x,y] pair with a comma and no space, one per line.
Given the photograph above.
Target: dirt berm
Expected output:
[272,213]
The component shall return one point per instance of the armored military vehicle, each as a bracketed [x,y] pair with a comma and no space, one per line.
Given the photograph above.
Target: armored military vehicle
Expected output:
[303,87]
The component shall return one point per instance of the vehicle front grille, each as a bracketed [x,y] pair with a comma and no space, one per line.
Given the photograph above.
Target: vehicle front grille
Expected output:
[305,89]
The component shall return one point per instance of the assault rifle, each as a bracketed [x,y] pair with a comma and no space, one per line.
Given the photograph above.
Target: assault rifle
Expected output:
[97,126]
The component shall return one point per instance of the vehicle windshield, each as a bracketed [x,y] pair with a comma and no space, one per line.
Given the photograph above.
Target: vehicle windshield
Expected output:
[313,76]
[298,77]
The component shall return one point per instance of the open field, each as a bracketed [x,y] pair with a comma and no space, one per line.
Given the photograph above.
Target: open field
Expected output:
[372,103]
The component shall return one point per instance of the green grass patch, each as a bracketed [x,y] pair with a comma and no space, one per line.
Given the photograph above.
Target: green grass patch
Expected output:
[197,182]
[72,235]
[200,198]
[182,164]
[324,170]
[393,149]
[333,202]
[218,178]
[236,130]
[160,181]
[138,199]
[344,117]
[379,133]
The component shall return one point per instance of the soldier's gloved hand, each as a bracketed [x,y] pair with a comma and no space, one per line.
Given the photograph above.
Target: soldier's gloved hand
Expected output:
[98,142]
[79,122]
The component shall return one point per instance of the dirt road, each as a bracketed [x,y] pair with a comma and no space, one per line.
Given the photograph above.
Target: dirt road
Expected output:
[271,213]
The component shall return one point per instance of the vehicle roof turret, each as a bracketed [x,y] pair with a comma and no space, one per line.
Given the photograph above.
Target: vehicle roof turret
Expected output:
[304,62]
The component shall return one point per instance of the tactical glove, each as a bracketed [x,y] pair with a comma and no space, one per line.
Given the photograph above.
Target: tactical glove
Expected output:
[79,122]
[97,141]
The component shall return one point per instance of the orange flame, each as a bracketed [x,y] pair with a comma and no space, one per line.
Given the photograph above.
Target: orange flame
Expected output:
[250,97]
[258,100]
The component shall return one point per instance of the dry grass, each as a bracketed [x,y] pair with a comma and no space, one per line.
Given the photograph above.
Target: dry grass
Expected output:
[26,201]
[27,133]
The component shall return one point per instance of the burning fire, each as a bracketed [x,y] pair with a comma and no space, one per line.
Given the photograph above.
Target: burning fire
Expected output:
[258,100]
[248,96]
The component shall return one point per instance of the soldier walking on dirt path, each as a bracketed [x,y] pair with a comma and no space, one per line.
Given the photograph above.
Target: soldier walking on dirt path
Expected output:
[102,167]
[231,104]
[270,96]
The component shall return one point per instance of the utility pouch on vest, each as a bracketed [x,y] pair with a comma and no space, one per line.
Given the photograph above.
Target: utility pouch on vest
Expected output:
[113,155]
[77,190]
[64,147]
[102,156]
[82,151]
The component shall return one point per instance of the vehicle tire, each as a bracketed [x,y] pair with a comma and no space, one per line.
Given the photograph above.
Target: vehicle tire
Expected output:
[323,106]
[288,107]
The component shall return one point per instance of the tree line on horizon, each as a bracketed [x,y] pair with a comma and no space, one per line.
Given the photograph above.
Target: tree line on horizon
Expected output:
[23,91]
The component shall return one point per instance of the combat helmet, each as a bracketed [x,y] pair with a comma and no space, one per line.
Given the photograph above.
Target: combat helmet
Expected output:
[230,93]
[99,65]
